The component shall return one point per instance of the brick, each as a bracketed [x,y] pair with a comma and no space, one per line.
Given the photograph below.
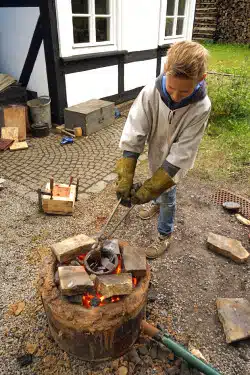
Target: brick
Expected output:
[112,245]
[228,247]
[114,285]
[74,280]
[234,314]
[73,246]
[134,260]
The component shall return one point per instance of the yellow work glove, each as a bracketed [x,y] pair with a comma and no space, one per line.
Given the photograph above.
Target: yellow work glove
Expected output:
[125,169]
[153,187]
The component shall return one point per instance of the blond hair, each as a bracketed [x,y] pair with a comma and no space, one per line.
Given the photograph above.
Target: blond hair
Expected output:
[187,60]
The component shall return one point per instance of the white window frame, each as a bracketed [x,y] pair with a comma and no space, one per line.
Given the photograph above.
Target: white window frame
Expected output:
[65,29]
[92,28]
[187,24]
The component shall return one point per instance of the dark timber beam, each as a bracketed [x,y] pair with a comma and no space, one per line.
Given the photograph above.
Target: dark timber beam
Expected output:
[35,45]
[56,77]
[19,3]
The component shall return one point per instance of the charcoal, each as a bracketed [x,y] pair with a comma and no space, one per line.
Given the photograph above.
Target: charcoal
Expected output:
[95,302]
[25,360]
[56,278]
[75,299]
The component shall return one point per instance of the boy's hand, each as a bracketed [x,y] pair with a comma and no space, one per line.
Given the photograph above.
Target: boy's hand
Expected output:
[153,187]
[125,169]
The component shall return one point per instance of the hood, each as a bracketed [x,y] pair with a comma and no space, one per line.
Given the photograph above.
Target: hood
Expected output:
[198,94]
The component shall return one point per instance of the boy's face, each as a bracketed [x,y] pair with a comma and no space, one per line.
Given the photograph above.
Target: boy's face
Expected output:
[179,88]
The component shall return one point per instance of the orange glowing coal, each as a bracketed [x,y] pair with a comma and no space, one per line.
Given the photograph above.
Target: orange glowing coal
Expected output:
[81,257]
[86,299]
[135,281]
[115,299]
[119,267]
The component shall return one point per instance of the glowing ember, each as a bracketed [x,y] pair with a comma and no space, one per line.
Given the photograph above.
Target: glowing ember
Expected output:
[135,281]
[86,300]
[81,257]
[119,267]
[115,299]
[89,300]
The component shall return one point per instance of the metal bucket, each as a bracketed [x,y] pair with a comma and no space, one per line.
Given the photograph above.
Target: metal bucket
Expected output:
[40,109]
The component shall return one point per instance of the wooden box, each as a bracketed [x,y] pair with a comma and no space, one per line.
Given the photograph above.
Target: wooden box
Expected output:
[63,200]
[91,116]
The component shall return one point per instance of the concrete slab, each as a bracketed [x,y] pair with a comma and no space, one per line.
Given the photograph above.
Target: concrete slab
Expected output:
[97,188]
[110,177]
[228,247]
[234,314]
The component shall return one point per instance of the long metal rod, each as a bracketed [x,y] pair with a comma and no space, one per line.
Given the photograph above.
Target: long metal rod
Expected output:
[109,219]
[117,225]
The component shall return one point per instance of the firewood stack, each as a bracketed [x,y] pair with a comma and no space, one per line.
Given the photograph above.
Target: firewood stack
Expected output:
[233,23]
[222,20]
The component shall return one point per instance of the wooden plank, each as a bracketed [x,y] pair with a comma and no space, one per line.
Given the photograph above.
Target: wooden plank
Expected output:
[19,146]
[5,144]
[16,116]
[10,133]
[5,81]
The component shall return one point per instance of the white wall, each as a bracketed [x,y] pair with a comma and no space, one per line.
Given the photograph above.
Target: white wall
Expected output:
[17,26]
[91,84]
[137,29]
[140,24]
[139,73]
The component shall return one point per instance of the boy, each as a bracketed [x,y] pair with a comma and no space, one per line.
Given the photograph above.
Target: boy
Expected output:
[171,115]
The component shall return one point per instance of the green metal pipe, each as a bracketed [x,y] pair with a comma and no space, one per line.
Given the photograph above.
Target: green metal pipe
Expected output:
[192,360]
[177,349]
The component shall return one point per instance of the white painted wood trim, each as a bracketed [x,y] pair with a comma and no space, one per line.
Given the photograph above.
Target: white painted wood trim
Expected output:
[187,25]
[65,29]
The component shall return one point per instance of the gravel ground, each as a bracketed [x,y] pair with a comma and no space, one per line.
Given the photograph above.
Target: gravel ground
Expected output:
[187,279]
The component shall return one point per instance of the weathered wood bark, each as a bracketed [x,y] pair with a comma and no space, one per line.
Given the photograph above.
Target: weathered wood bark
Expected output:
[98,333]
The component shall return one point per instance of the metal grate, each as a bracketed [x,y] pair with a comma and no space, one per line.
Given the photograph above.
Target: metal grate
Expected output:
[221,196]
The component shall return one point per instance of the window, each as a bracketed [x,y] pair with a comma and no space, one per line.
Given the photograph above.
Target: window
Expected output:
[175,15]
[92,22]
[176,19]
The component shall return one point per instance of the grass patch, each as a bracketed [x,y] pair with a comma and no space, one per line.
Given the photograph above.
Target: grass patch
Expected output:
[228,58]
[224,153]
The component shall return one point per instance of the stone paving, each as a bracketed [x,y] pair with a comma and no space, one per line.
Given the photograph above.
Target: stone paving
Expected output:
[92,159]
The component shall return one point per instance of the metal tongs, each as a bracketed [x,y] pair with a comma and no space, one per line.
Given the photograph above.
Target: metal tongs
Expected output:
[100,237]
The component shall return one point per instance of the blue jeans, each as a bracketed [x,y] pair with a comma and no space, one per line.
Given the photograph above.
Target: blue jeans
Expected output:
[167,202]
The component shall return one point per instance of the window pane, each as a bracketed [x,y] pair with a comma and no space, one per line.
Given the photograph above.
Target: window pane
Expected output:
[101,6]
[179,26]
[81,29]
[102,29]
[80,6]
[169,26]
[181,7]
[170,7]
